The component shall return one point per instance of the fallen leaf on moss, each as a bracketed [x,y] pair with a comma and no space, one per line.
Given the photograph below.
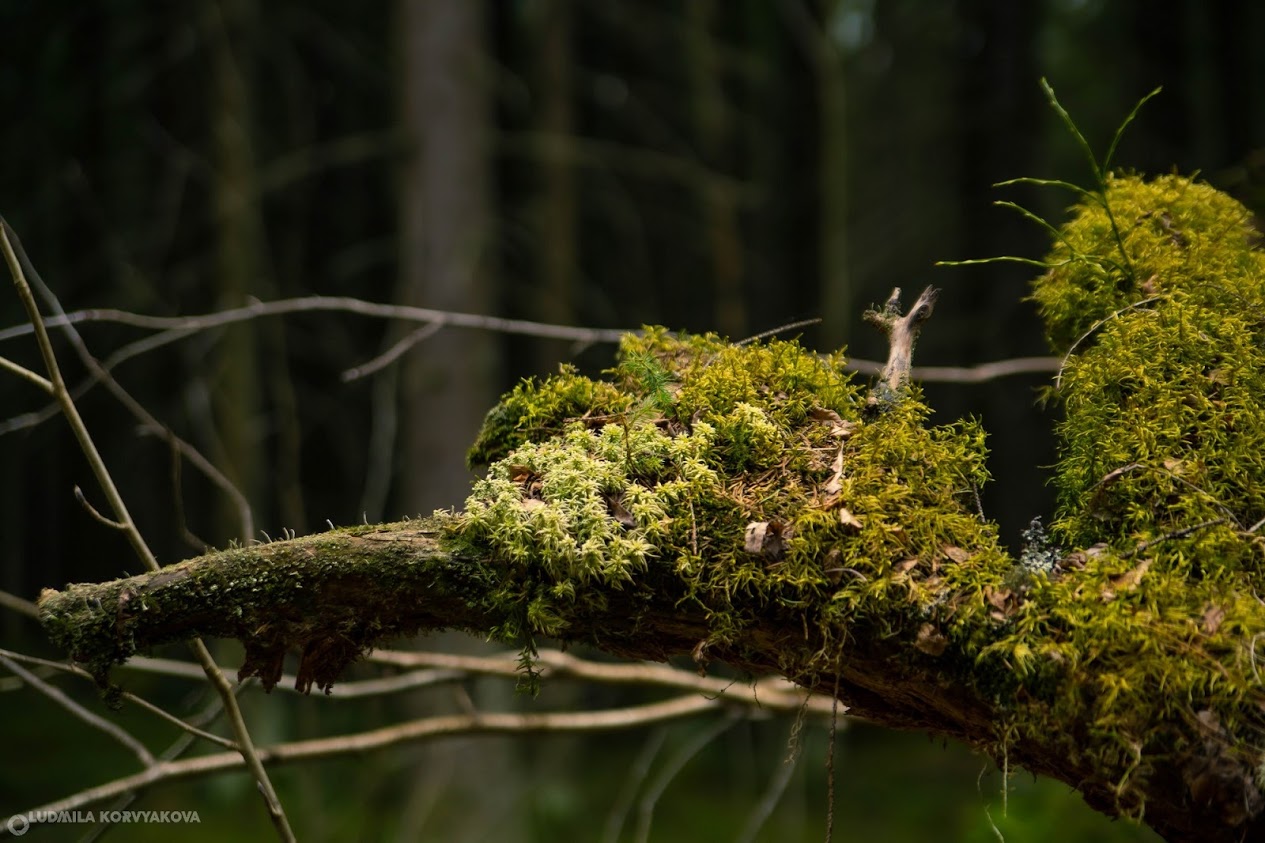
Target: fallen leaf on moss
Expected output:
[1213,616]
[931,640]
[1127,581]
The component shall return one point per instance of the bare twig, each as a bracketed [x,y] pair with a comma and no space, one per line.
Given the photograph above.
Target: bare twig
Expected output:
[427,728]
[97,516]
[965,374]
[16,604]
[771,694]
[94,720]
[1175,534]
[1058,379]
[673,767]
[339,304]
[763,809]
[632,783]
[392,354]
[8,239]
[26,374]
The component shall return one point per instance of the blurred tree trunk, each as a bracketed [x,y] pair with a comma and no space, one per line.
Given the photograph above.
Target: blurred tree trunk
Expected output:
[448,382]
[445,216]
[837,306]
[230,26]
[556,252]
[713,127]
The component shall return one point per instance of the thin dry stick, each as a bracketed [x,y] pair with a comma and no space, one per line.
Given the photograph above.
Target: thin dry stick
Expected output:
[100,373]
[966,374]
[392,354]
[26,374]
[768,801]
[411,680]
[1058,379]
[94,720]
[16,604]
[391,736]
[636,776]
[124,517]
[830,762]
[673,767]
[342,304]
[773,694]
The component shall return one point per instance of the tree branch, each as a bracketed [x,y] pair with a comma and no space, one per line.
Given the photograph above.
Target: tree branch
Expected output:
[332,596]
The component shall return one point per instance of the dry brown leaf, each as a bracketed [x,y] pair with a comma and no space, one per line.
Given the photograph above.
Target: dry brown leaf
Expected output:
[905,565]
[957,554]
[847,519]
[1129,579]
[824,414]
[931,640]
[835,484]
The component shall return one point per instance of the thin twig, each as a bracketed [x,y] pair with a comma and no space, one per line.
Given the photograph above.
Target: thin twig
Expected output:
[1175,534]
[763,809]
[26,374]
[17,604]
[673,766]
[427,728]
[830,762]
[94,720]
[8,239]
[92,510]
[341,304]
[803,323]
[632,783]
[1058,379]
[393,353]
[965,374]
[774,694]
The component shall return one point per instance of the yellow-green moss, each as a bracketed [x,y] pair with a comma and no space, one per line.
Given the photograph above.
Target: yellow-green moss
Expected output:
[1134,642]
[1162,476]
[711,437]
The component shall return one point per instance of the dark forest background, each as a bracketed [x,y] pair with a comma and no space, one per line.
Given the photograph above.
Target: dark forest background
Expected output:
[706,165]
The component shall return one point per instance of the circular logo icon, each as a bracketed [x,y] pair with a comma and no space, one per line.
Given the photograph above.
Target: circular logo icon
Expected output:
[17,825]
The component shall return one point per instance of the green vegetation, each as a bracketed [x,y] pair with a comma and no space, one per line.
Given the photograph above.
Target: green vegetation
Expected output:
[745,478]
[750,479]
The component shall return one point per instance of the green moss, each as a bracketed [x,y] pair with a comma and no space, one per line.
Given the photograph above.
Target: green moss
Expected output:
[710,438]
[748,481]
[1181,238]
[1162,473]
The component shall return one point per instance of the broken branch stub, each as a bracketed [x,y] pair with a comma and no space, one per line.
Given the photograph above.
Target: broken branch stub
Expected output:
[902,331]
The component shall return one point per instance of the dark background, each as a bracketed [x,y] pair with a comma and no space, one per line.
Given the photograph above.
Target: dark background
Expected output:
[709,166]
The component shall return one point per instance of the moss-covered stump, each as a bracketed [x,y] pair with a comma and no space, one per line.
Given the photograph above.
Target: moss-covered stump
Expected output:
[749,503]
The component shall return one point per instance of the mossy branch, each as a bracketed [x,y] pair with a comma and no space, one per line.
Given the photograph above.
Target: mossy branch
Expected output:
[331,596]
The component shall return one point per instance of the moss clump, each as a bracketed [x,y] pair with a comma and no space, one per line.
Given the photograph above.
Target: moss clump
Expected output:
[1178,238]
[1165,427]
[1144,635]
[743,478]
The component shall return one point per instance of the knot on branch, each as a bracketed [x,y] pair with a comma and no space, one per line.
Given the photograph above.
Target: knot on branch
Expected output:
[901,331]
